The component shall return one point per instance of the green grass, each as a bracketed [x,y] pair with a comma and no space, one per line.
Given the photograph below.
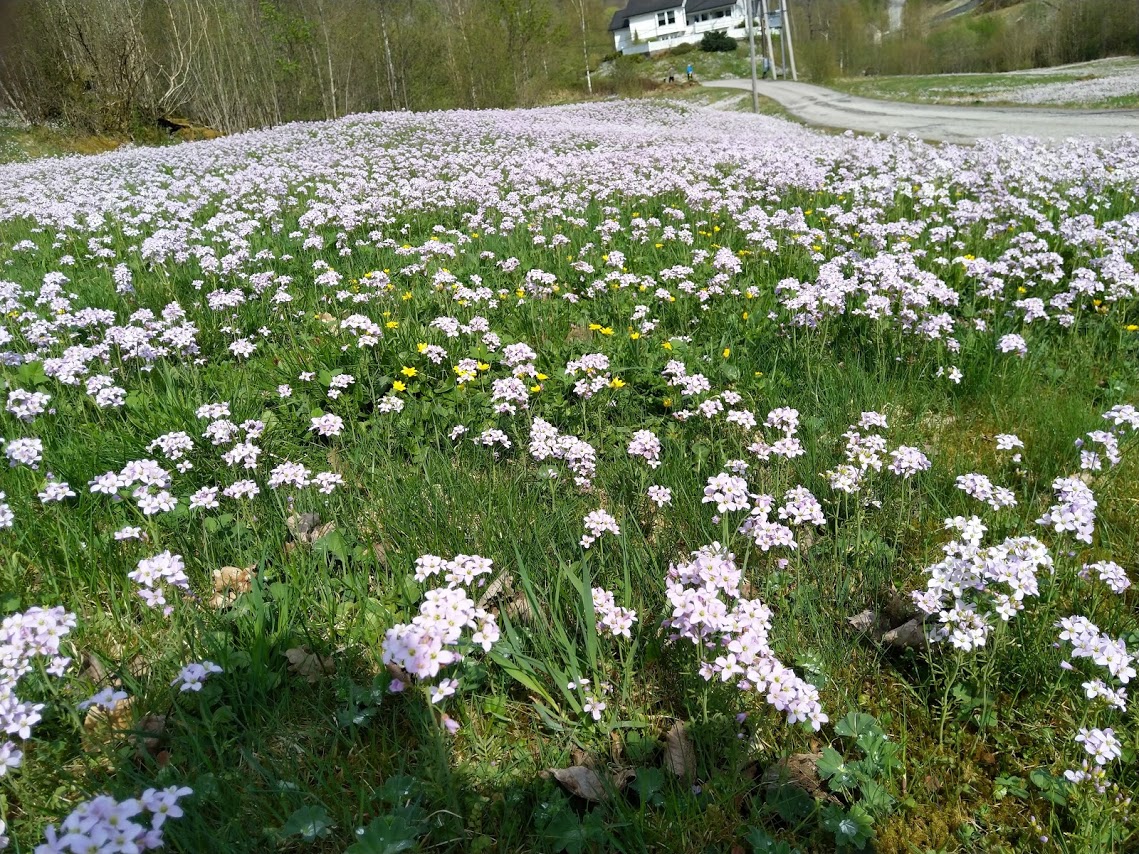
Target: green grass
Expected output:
[272,756]
[981,89]
[706,66]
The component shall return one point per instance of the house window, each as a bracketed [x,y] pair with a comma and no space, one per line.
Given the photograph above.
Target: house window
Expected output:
[665,18]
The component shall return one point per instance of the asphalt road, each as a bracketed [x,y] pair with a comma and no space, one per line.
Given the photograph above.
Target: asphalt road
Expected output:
[827,108]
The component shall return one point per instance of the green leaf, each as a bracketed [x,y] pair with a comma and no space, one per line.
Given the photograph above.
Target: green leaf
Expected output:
[856,724]
[332,544]
[566,833]
[850,828]
[1014,786]
[762,842]
[309,823]
[388,834]
[875,798]
[791,803]
[647,785]
[832,767]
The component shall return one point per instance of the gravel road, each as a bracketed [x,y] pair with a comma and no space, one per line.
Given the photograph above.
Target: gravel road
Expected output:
[823,107]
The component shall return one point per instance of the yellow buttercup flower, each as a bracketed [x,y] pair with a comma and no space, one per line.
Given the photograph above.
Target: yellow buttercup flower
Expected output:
[594,327]
[398,386]
[616,382]
[541,376]
[408,372]
[421,346]
[634,335]
[482,366]
[606,330]
[727,352]
[666,344]
[392,324]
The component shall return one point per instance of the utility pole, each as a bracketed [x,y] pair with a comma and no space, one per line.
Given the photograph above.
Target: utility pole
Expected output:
[786,37]
[748,12]
[769,52]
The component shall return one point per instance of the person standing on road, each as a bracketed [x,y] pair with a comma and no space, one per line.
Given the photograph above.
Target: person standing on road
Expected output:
[689,71]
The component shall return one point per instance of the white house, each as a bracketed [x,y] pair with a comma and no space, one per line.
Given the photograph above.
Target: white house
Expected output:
[648,26]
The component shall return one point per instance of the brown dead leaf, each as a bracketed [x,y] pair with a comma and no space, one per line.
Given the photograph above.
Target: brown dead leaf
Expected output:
[616,747]
[229,583]
[622,777]
[864,621]
[102,728]
[381,554]
[502,584]
[898,608]
[93,669]
[909,635]
[679,754]
[149,735]
[579,333]
[307,527]
[139,666]
[581,781]
[308,665]
[322,531]
[518,609]
[399,673]
[300,526]
[798,770]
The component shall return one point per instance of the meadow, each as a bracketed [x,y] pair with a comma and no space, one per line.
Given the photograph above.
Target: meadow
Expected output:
[1102,84]
[624,476]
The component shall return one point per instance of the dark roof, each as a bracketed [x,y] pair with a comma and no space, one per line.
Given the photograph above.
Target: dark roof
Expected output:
[704,5]
[641,7]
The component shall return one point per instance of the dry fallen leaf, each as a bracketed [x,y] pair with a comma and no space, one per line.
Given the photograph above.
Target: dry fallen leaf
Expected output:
[798,770]
[309,665]
[518,609]
[150,731]
[864,621]
[322,531]
[307,527]
[229,583]
[622,777]
[581,781]
[502,584]
[397,672]
[101,727]
[381,554]
[898,608]
[679,754]
[909,635]
[93,669]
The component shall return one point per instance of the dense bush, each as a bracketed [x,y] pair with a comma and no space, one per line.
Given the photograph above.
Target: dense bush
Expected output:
[714,42]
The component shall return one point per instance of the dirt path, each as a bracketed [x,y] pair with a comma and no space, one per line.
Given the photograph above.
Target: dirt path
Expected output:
[823,107]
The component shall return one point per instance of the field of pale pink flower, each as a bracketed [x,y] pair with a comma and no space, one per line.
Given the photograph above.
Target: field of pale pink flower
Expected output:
[616,477]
